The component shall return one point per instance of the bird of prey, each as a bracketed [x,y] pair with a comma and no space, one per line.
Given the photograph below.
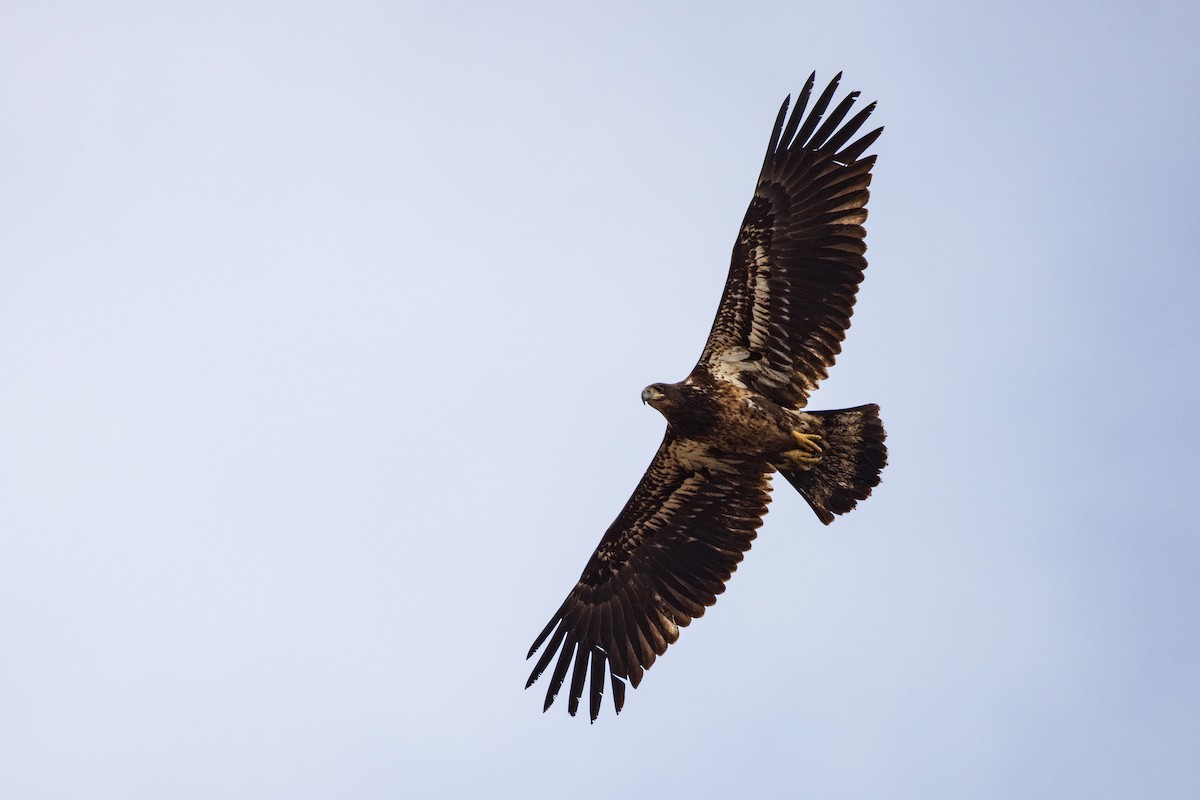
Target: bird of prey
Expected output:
[737,418]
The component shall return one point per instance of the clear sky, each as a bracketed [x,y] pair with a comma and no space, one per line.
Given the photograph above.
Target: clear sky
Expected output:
[322,329]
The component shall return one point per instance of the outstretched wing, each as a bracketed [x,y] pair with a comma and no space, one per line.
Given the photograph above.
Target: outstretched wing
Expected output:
[661,563]
[798,259]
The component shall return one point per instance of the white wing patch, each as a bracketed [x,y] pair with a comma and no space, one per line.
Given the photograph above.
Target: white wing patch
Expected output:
[729,365]
[694,456]
[732,364]
[760,320]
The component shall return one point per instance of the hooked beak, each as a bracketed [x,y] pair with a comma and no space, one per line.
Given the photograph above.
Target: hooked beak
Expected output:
[650,393]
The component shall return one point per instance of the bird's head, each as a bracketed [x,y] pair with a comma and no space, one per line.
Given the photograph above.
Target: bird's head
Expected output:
[663,396]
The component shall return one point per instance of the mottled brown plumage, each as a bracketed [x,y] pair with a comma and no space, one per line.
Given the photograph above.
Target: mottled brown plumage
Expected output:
[737,418]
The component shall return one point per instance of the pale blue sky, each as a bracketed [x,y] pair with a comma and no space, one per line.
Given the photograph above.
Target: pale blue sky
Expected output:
[322,328]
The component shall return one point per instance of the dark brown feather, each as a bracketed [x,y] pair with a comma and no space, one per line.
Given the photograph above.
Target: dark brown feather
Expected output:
[798,261]
[661,563]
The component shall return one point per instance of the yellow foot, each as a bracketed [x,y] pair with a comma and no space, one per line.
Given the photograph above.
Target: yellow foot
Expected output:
[809,442]
[807,454]
[800,459]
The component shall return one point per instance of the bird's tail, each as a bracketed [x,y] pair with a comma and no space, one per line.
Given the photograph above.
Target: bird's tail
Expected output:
[853,454]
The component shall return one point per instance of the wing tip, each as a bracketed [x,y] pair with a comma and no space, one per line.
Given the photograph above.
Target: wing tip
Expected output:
[802,129]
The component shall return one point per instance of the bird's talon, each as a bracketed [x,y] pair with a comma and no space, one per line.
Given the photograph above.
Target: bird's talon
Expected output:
[801,459]
[809,442]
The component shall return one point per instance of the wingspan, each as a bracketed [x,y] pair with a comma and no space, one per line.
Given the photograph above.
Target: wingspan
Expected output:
[660,564]
[798,258]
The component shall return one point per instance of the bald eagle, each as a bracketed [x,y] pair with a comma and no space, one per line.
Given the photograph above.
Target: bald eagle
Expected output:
[737,418]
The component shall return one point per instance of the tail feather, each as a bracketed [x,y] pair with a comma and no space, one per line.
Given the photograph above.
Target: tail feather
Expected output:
[853,455]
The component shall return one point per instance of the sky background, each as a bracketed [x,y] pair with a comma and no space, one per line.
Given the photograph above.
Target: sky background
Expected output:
[322,330]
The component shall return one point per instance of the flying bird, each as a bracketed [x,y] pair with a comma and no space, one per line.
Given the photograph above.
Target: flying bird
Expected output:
[738,418]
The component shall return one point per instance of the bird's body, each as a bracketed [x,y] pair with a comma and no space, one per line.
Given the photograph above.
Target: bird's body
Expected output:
[728,420]
[739,417]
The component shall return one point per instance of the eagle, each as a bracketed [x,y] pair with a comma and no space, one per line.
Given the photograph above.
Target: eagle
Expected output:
[739,417]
